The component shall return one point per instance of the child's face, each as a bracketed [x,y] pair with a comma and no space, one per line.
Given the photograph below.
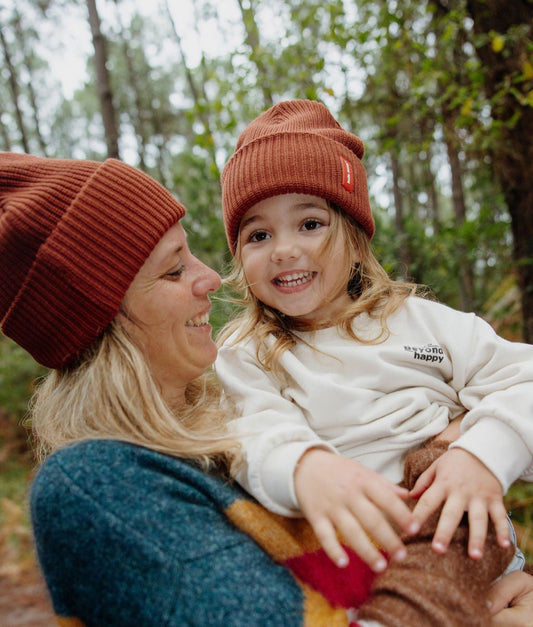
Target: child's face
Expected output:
[285,260]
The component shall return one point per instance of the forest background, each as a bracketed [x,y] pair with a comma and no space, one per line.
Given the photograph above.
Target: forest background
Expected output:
[440,91]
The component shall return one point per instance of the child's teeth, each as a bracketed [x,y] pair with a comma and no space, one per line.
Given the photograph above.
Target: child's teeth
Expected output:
[296,279]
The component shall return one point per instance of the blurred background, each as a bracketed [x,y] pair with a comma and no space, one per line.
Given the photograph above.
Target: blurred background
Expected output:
[440,91]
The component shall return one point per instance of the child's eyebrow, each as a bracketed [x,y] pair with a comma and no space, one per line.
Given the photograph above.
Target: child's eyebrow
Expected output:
[301,206]
[310,205]
[248,220]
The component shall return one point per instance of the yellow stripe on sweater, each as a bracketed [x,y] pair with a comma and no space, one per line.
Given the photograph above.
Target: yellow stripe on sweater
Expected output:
[282,538]
[64,621]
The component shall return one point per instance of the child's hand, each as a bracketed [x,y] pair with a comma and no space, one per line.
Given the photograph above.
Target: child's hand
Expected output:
[464,484]
[339,495]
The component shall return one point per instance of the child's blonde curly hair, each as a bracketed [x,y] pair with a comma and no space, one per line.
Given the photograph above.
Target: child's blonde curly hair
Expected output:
[372,290]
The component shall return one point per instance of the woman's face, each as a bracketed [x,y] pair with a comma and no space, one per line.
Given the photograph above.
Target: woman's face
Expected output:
[167,309]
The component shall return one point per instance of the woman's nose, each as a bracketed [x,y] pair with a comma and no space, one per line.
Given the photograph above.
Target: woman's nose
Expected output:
[207,280]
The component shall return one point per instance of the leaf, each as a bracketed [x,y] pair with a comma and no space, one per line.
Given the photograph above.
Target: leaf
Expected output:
[466,109]
[527,70]
[498,43]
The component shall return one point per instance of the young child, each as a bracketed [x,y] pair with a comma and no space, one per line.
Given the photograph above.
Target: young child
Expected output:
[337,371]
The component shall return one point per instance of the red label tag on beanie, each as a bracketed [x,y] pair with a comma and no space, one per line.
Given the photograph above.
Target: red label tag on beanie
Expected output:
[347,175]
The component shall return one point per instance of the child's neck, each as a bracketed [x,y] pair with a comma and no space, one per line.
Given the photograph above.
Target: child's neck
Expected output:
[324,322]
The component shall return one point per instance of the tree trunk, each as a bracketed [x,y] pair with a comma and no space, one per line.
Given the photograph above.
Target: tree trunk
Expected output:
[513,149]
[466,276]
[198,94]
[457,60]
[105,93]
[430,185]
[31,92]
[433,199]
[135,112]
[404,253]
[6,140]
[15,94]
[252,39]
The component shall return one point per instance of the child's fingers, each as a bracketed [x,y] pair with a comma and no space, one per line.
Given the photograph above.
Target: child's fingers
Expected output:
[449,520]
[428,503]
[477,534]
[403,493]
[353,535]
[423,482]
[498,515]
[327,536]
[375,523]
[478,517]
[352,528]
[396,510]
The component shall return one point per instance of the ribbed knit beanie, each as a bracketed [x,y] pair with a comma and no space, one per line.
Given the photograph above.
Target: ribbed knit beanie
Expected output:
[296,146]
[73,235]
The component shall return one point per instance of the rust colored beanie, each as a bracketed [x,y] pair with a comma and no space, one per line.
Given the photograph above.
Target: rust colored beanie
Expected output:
[296,146]
[73,235]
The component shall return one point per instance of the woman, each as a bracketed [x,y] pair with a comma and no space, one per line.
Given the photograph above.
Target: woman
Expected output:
[134,522]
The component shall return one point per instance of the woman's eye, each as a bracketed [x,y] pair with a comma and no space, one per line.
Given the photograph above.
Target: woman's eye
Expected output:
[258,236]
[176,273]
[311,225]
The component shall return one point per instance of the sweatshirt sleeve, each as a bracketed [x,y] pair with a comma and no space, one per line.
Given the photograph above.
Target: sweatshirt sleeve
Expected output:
[494,380]
[273,431]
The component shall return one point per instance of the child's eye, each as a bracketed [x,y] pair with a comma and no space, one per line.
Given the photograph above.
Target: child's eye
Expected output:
[176,273]
[258,236]
[312,225]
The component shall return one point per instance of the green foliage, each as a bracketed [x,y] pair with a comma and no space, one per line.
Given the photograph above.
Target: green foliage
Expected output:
[14,484]
[404,76]
[519,501]
[18,371]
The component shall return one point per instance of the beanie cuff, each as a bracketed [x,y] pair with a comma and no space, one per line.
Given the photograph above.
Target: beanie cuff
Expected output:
[84,267]
[294,162]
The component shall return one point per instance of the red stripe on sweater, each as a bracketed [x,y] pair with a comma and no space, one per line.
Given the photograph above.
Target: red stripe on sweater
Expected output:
[346,587]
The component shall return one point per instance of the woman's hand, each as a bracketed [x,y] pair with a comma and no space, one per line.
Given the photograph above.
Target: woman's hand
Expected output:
[340,496]
[516,591]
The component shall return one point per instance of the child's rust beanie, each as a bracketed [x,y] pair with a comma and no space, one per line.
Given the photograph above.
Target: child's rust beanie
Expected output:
[296,146]
[73,235]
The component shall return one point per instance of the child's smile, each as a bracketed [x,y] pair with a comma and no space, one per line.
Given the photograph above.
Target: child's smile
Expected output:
[293,281]
[288,259]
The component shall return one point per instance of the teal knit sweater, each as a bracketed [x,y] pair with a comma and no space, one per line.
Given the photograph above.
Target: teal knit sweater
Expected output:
[129,537]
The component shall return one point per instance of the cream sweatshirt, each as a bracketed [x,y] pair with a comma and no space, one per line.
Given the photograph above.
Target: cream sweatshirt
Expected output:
[376,402]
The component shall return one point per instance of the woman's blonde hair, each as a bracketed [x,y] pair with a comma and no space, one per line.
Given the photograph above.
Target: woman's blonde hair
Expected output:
[111,394]
[373,293]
